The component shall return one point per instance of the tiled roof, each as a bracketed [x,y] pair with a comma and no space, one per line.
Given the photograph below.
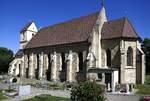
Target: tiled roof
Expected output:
[78,30]
[119,28]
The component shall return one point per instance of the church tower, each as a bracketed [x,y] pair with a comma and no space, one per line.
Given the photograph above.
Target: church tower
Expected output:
[27,33]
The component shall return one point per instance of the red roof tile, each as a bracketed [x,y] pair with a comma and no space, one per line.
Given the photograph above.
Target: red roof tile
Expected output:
[76,30]
[118,29]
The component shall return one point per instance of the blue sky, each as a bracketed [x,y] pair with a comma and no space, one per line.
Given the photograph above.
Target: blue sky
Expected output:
[15,14]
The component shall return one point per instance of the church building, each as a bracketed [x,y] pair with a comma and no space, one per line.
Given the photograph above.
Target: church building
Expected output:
[87,47]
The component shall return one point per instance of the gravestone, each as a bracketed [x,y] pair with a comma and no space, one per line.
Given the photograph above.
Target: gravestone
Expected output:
[127,89]
[24,90]
[108,87]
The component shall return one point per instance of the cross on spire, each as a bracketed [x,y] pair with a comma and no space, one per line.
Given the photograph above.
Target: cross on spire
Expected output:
[102,3]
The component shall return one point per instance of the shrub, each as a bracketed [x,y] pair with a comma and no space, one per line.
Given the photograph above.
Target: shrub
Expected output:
[10,89]
[14,80]
[88,91]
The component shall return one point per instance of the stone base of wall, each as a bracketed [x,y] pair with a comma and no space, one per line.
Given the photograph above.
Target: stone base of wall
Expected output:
[130,75]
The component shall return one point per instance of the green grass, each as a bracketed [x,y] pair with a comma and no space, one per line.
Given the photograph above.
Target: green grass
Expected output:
[59,86]
[45,97]
[2,97]
[144,89]
[147,79]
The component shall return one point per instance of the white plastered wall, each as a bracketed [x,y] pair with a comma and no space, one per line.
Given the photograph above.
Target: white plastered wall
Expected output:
[27,35]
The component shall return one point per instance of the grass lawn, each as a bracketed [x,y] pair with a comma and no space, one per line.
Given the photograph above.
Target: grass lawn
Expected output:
[144,89]
[147,79]
[46,97]
[2,97]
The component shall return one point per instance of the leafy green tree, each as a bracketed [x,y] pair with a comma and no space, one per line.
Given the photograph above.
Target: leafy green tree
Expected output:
[146,49]
[88,91]
[6,56]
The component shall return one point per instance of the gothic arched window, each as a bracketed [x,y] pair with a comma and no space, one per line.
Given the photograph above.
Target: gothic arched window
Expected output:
[108,54]
[80,55]
[130,57]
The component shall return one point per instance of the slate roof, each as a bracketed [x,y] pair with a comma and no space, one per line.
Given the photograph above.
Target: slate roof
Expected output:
[78,30]
[27,26]
[19,53]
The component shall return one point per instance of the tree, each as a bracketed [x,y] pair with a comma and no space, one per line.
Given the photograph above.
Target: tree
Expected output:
[88,91]
[146,49]
[6,56]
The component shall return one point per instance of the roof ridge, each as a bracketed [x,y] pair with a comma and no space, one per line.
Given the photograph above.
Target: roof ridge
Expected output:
[127,21]
[133,27]
[74,19]
[125,18]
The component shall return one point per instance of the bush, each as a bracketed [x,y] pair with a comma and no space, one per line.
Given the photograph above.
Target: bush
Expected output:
[10,89]
[88,91]
[14,80]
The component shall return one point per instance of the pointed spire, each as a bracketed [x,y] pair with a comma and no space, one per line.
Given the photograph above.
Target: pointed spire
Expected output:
[102,14]
[102,3]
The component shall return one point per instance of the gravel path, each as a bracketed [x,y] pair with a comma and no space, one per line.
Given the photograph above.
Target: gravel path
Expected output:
[60,93]
[121,97]
[39,91]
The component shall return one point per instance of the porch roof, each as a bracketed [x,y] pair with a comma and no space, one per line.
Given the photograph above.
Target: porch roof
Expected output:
[102,70]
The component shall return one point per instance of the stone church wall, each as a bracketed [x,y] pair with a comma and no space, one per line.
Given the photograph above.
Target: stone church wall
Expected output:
[56,64]
[119,58]
[130,71]
[112,45]
[118,48]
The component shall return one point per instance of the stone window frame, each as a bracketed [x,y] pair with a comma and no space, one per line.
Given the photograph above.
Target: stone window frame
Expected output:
[130,56]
